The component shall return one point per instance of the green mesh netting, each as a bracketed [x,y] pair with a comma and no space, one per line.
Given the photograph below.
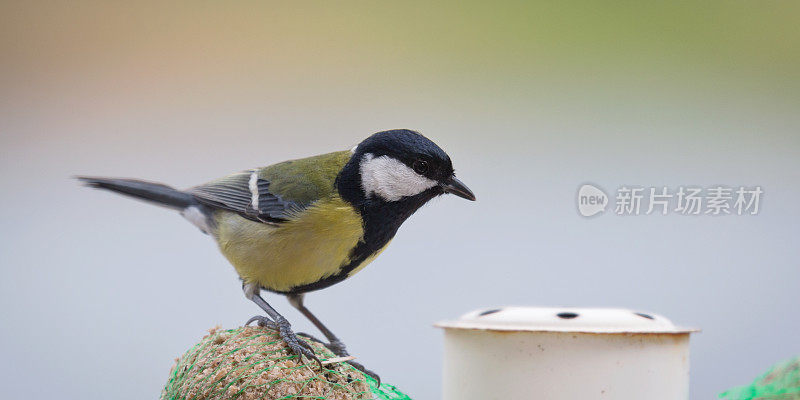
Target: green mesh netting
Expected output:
[254,363]
[781,382]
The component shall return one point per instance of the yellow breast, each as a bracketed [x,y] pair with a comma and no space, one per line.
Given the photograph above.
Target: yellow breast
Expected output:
[297,252]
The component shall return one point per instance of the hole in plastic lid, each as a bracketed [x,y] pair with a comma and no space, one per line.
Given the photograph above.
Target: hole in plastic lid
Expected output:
[643,315]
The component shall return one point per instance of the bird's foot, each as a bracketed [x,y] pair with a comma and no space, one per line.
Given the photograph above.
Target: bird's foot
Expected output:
[263,322]
[296,345]
[365,371]
[338,348]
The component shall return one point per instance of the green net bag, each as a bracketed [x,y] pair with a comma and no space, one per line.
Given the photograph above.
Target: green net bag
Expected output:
[781,382]
[254,363]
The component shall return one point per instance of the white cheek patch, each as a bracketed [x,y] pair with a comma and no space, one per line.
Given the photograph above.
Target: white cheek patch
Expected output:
[391,179]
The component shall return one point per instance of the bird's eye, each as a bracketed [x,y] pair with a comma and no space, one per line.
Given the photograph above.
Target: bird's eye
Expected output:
[420,167]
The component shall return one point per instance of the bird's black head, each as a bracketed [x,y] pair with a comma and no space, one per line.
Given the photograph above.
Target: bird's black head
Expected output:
[399,166]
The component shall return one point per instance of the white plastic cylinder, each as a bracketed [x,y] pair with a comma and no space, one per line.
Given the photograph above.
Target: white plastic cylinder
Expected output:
[522,353]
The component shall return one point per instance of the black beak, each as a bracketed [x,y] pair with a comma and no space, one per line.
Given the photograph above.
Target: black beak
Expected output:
[458,188]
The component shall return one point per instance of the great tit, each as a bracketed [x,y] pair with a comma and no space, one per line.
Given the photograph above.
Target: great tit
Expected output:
[306,224]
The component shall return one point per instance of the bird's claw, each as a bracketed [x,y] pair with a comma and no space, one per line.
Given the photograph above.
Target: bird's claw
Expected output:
[263,322]
[299,347]
[337,347]
[365,371]
[296,345]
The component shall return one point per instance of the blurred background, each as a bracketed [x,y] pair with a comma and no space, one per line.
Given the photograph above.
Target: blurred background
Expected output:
[100,293]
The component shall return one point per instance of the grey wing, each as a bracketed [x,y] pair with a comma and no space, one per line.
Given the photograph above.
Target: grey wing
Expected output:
[248,195]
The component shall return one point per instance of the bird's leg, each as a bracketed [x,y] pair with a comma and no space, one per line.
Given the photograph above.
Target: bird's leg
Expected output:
[335,345]
[279,323]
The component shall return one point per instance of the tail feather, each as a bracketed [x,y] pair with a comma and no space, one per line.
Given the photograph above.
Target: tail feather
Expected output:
[153,192]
